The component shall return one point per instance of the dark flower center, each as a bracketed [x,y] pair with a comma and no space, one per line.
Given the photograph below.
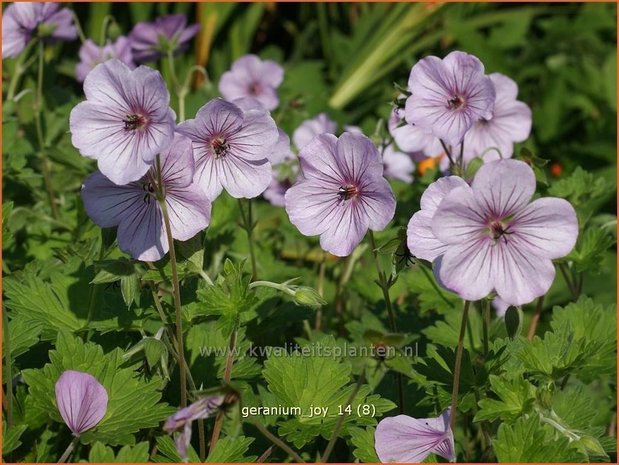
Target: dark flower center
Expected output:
[498,230]
[220,147]
[347,192]
[455,102]
[134,121]
[255,88]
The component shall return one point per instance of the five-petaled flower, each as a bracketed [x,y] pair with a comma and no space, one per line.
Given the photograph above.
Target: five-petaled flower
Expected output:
[231,148]
[22,21]
[167,34]
[136,208]
[449,95]
[252,77]
[81,400]
[403,439]
[124,122]
[491,237]
[91,55]
[308,129]
[341,192]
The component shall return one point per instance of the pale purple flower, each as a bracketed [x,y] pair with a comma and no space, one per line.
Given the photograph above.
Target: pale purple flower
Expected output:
[496,239]
[22,21]
[403,439]
[152,40]
[183,419]
[81,400]
[449,95]
[252,77]
[276,191]
[500,307]
[421,240]
[305,133]
[341,192]
[124,122]
[397,165]
[135,208]
[420,143]
[510,122]
[231,148]
[92,54]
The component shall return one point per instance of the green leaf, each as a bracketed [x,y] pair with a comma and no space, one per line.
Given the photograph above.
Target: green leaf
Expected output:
[111,271]
[363,440]
[430,295]
[166,451]
[133,402]
[231,450]
[592,245]
[11,437]
[130,289]
[516,398]
[24,333]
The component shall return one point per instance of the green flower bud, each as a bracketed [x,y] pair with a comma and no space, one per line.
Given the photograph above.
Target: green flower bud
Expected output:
[308,297]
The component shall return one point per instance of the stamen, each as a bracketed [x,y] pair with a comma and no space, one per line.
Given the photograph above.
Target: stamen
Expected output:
[347,192]
[220,147]
[455,102]
[133,122]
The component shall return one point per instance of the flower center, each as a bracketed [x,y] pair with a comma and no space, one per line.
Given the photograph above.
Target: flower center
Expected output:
[347,192]
[220,147]
[497,230]
[255,88]
[455,102]
[134,121]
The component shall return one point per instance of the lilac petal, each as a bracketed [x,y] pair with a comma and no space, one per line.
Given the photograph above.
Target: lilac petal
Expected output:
[414,139]
[256,138]
[177,163]
[345,232]
[404,439]
[503,187]
[81,399]
[357,157]
[397,165]
[182,442]
[14,38]
[281,152]
[215,118]
[142,234]
[378,203]
[466,268]
[500,307]
[519,276]
[63,22]
[421,241]
[311,128]
[190,211]
[107,203]
[459,217]
[436,192]
[548,227]
[318,160]
[313,206]
[276,191]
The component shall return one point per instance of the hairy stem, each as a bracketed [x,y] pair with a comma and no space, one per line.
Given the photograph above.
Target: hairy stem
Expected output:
[458,366]
[340,421]
[535,319]
[384,285]
[278,442]
[38,110]
[20,68]
[568,280]
[448,153]
[249,228]
[8,361]
[227,375]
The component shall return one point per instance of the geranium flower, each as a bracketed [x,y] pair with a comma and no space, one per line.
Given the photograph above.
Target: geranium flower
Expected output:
[81,400]
[421,240]
[495,239]
[403,439]
[320,124]
[420,143]
[22,21]
[135,208]
[252,77]
[124,122]
[341,193]
[91,55]
[231,148]
[510,123]
[152,40]
[183,419]
[397,165]
[449,95]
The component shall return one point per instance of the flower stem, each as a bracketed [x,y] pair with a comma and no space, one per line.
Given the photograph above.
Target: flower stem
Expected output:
[486,325]
[20,68]
[38,109]
[278,442]
[340,421]
[535,319]
[321,290]
[181,91]
[249,228]
[570,284]
[227,375]
[458,366]
[9,367]
[65,455]
[177,290]
[385,285]
[448,153]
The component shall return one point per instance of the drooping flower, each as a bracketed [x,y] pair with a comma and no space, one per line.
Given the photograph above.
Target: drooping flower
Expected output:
[320,124]
[124,122]
[136,210]
[169,33]
[397,165]
[81,400]
[421,240]
[341,192]
[231,148]
[449,95]
[510,122]
[91,55]
[184,418]
[495,238]
[252,77]
[22,21]
[403,439]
